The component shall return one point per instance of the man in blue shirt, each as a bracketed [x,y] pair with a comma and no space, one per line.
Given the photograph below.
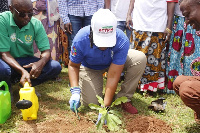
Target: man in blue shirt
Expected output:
[101,48]
[76,14]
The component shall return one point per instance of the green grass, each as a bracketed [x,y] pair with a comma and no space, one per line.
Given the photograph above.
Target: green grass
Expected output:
[56,94]
[180,117]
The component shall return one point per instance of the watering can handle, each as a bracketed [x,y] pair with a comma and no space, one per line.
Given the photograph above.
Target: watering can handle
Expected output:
[26,84]
[5,84]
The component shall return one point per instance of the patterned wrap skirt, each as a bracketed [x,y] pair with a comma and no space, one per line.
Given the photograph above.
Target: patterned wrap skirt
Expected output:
[153,46]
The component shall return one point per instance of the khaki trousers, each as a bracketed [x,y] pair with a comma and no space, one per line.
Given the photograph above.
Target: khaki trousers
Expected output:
[91,81]
[188,88]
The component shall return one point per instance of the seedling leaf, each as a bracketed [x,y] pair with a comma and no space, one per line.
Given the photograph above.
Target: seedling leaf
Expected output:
[101,121]
[94,106]
[115,119]
[100,100]
[112,125]
[103,111]
[111,117]
[119,101]
[117,113]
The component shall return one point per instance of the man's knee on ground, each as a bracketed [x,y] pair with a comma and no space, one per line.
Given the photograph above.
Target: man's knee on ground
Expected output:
[143,58]
[5,73]
[137,57]
[185,92]
[178,81]
[56,67]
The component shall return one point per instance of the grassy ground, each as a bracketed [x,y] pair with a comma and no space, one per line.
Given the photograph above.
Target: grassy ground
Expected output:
[56,95]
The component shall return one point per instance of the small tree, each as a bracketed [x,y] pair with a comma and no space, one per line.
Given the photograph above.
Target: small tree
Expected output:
[111,116]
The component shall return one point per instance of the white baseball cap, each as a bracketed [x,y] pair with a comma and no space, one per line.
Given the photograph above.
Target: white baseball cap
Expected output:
[104,24]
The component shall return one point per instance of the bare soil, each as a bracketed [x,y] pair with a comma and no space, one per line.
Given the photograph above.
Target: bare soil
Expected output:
[52,120]
[61,122]
[146,124]
[64,121]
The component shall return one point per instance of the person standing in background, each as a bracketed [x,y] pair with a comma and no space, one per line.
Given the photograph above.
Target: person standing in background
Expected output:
[76,14]
[47,12]
[152,23]
[120,9]
[3,5]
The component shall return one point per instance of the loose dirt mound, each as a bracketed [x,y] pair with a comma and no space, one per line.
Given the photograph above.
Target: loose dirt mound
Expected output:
[58,124]
[144,124]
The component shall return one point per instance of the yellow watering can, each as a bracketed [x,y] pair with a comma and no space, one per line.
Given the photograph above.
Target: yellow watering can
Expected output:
[28,102]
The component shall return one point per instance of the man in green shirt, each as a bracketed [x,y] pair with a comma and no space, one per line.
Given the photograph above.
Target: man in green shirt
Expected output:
[18,31]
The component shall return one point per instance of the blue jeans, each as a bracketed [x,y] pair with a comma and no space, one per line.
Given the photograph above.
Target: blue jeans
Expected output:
[77,23]
[122,25]
[8,74]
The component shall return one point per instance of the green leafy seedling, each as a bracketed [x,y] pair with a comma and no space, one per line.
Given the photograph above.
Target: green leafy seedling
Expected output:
[112,117]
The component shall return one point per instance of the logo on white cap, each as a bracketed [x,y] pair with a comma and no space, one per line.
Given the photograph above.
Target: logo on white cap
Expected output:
[106,30]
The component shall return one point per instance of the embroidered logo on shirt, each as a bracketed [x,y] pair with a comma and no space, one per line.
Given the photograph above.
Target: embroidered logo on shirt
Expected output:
[73,51]
[106,30]
[28,38]
[13,37]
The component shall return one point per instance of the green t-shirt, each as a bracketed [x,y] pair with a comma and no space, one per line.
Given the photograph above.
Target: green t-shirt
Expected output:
[19,42]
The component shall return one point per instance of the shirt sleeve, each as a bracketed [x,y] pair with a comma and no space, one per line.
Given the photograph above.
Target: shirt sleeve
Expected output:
[63,10]
[76,55]
[121,48]
[120,56]
[176,1]
[4,39]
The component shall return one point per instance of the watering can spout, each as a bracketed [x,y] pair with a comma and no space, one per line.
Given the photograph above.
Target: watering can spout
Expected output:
[26,85]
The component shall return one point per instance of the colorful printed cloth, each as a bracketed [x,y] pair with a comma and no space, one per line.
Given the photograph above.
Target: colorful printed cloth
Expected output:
[40,11]
[152,44]
[183,52]
[52,11]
